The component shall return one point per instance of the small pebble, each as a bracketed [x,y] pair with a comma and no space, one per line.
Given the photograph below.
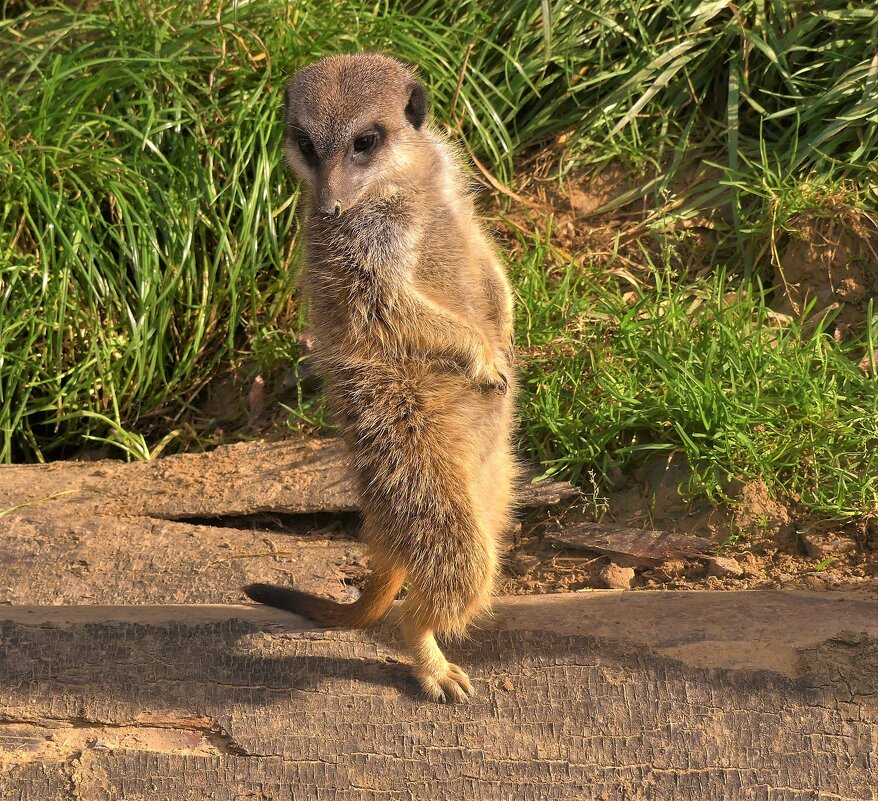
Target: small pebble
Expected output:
[814,582]
[723,567]
[102,745]
[614,577]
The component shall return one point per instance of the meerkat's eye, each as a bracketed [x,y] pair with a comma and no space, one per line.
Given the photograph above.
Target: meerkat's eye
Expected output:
[306,146]
[365,142]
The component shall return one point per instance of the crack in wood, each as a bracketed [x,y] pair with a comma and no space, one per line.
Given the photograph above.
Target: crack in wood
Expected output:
[41,738]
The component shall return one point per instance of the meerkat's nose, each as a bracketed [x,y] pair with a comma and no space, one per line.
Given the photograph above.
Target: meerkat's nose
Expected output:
[331,208]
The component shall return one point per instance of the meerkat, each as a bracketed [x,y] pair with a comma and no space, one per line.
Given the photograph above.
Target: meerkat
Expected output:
[411,313]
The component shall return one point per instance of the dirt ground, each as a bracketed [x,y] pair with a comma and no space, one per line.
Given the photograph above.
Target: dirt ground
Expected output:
[762,542]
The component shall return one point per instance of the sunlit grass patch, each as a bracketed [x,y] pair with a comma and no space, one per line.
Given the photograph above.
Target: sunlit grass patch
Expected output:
[615,372]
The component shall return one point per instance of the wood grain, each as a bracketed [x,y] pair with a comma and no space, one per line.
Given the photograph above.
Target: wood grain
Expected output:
[766,696]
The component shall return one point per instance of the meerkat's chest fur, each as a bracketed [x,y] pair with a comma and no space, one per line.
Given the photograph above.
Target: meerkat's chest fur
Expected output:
[358,266]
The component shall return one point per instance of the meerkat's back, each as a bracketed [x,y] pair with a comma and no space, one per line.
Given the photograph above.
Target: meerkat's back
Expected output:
[411,314]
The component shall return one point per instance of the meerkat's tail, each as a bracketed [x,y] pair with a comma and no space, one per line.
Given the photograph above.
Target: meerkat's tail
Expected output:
[376,598]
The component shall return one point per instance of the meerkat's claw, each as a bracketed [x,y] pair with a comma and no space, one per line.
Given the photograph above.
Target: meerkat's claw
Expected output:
[509,348]
[460,676]
[448,685]
[491,379]
[500,384]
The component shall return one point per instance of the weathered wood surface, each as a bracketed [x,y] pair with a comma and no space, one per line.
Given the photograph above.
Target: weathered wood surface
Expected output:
[294,476]
[763,696]
[119,560]
[110,532]
[643,545]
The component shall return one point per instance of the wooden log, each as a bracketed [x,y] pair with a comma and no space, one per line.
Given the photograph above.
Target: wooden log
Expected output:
[764,696]
[297,476]
[102,559]
[294,476]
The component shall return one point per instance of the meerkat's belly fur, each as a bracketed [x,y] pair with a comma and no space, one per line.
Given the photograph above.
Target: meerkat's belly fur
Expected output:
[411,314]
[433,468]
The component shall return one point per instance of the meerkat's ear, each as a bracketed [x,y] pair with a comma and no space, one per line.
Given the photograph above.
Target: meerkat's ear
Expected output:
[416,108]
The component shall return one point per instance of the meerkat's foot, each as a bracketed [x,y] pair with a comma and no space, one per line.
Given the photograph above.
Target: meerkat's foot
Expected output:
[447,684]
[441,680]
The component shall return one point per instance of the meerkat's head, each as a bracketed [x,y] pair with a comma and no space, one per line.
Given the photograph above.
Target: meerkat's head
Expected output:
[353,126]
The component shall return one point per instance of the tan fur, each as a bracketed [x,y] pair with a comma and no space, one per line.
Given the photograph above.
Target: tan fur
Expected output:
[411,313]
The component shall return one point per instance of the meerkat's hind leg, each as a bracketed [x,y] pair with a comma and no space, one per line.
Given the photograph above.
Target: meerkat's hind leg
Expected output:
[443,601]
[442,680]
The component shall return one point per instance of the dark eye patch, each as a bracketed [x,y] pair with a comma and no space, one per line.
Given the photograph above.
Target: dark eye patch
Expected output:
[365,142]
[306,148]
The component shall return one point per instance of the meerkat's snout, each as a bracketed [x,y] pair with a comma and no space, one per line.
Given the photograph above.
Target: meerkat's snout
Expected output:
[339,184]
[330,207]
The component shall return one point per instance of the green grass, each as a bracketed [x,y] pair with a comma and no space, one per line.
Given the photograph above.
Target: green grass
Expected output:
[701,367]
[148,236]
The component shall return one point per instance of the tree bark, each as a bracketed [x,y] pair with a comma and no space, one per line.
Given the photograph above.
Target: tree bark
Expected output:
[765,696]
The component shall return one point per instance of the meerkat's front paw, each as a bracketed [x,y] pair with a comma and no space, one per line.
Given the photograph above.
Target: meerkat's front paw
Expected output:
[447,684]
[492,379]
